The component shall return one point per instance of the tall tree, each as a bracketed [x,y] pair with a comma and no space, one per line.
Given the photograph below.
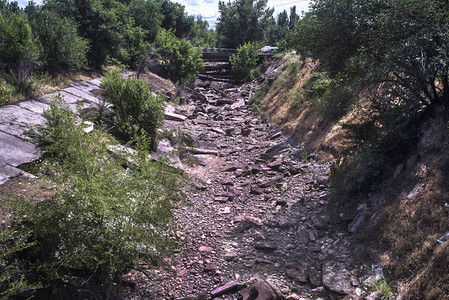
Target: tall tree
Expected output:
[242,21]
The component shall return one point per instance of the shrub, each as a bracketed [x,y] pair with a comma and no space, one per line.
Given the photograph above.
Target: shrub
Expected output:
[330,98]
[103,219]
[5,95]
[18,52]
[136,107]
[245,60]
[61,46]
[182,62]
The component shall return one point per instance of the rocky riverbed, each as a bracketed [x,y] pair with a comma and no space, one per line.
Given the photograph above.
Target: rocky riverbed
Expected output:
[255,223]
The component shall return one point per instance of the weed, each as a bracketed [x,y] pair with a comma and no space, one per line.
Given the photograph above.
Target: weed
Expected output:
[383,288]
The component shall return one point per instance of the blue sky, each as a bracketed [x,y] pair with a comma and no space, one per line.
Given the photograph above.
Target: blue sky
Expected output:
[208,9]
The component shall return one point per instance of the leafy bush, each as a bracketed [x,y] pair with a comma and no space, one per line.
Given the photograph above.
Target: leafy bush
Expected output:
[136,107]
[330,98]
[5,95]
[18,52]
[61,46]
[245,60]
[182,62]
[103,219]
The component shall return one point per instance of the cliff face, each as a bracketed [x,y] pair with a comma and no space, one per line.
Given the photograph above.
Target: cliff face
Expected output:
[403,225]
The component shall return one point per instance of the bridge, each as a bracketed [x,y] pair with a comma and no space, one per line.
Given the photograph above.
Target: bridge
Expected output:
[223,54]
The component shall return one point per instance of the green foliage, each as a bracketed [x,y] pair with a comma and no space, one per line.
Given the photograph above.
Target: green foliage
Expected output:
[12,279]
[5,95]
[245,60]
[175,18]
[136,107]
[61,46]
[329,97]
[242,21]
[395,52]
[18,52]
[182,62]
[103,219]
[201,36]
[147,15]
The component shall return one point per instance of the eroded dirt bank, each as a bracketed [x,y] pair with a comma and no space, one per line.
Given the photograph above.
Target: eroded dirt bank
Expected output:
[256,209]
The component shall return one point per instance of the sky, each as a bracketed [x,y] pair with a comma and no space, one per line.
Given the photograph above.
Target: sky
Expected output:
[208,9]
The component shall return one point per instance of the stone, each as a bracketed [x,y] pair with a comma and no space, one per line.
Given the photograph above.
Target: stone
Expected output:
[298,275]
[265,245]
[221,199]
[255,190]
[210,267]
[275,165]
[217,130]
[230,255]
[271,181]
[223,101]
[205,249]
[228,287]
[259,290]
[14,151]
[201,151]
[275,135]
[336,277]
[229,131]
[246,131]
[174,116]
[356,224]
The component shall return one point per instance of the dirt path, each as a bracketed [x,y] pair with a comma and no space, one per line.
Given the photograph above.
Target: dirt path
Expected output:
[257,210]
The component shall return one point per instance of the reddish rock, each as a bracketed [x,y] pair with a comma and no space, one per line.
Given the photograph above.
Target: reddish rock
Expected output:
[228,287]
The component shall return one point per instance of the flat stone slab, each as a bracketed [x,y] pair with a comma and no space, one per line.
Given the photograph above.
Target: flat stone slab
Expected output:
[68,98]
[174,116]
[34,106]
[82,94]
[14,120]
[165,150]
[14,151]
[85,86]
[7,172]
[96,81]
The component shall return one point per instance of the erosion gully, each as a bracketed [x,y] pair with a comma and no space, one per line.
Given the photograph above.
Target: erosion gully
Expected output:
[255,223]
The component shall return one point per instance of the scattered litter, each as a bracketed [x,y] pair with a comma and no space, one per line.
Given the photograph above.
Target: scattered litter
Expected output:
[444,238]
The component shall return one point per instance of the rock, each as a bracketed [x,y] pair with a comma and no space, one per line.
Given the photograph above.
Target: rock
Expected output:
[275,165]
[298,275]
[223,101]
[205,249]
[246,131]
[275,150]
[221,199]
[320,221]
[199,186]
[255,190]
[202,83]
[228,287]
[271,182]
[210,267]
[314,275]
[187,95]
[275,135]
[259,290]
[230,255]
[281,202]
[174,117]
[265,245]
[217,130]
[336,277]
[201,151]
[356,224]
[229,131]
[292,297]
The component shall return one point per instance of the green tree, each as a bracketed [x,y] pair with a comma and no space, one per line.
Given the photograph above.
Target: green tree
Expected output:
[201,36]
[245,60]
[61,47]
[396,51]
[147,15]
[175,18]
[137,109]
[18,52]
[242,21]
[180,59]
